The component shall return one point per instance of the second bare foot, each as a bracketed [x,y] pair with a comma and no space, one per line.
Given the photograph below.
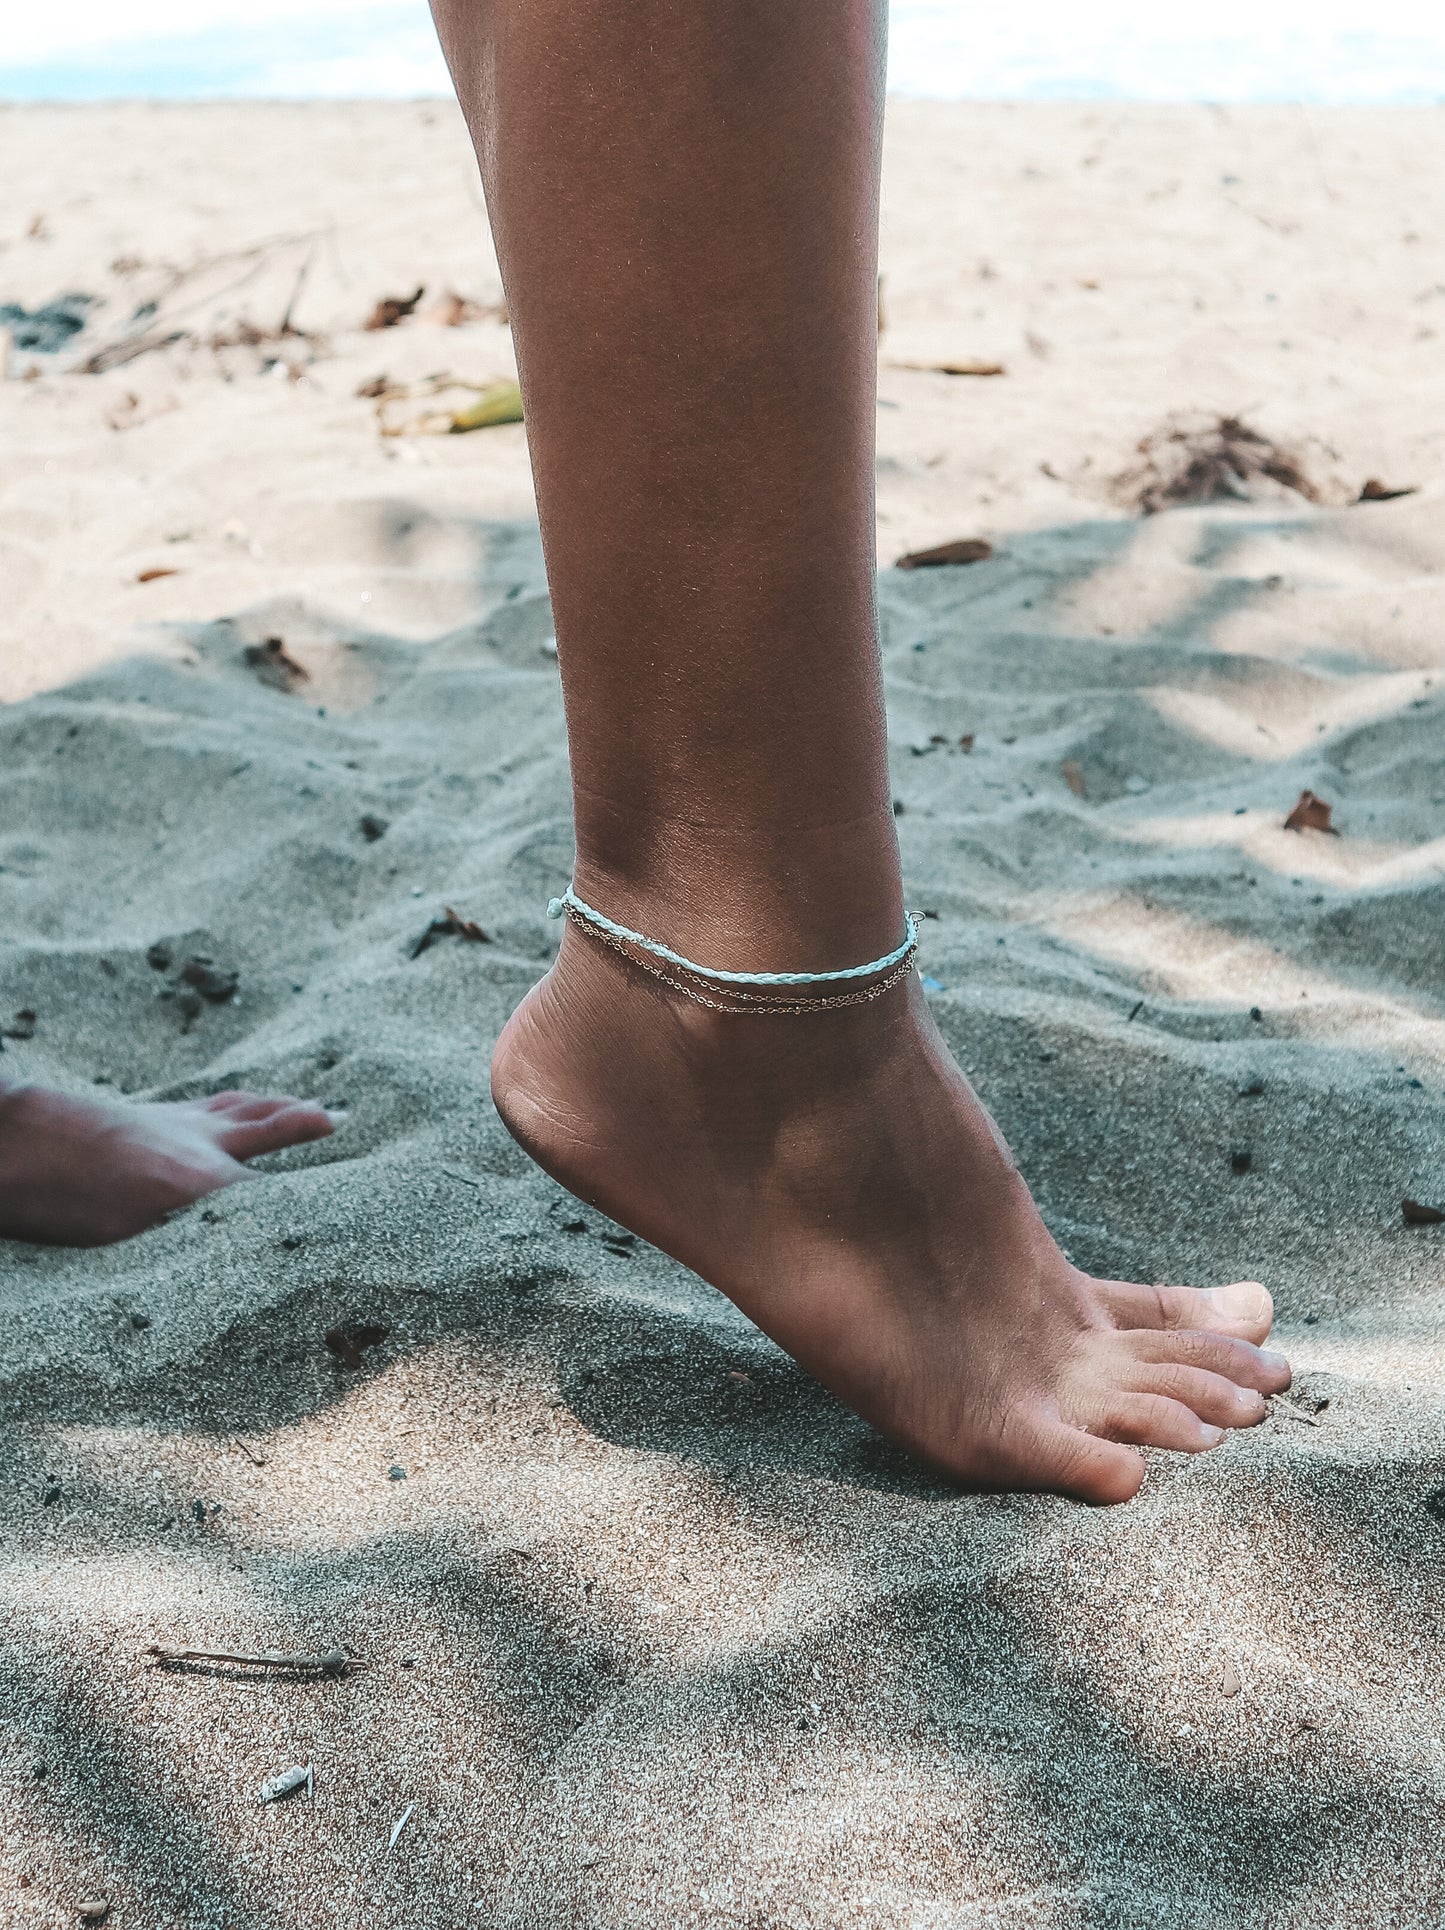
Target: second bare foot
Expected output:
[835,1175]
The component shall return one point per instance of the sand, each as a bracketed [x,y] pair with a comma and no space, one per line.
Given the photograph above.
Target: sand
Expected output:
[656,1634]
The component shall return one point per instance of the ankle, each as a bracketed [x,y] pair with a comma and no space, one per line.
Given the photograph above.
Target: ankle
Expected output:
[829,903]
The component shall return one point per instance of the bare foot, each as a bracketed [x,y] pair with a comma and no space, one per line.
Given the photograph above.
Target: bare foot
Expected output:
[85,1172]
[836,1177]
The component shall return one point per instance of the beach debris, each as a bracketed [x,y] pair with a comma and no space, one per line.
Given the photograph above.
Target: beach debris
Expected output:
[452,311]
[396,1472]
[286,1782]
[151,576]
[372,827]
[1418,1214]
[1294,1411]
[47,329]
[398,1826]
[1241,1160]
[273,665]
[1374,491]
[975,368]
[378,386]
[1209,460]
[51,1494]
[1434,1503]
[350,1339]
[451,924]
[214,982]
[22,1026]
[1251,1089]
[1311,813]
[494,402]
[93,1910]
[1073,775]
[965,743]
[391,309]
[966,549]
[331,1664]
[1229,1682]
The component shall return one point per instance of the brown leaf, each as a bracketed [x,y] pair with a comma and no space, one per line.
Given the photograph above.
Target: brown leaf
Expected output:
[954,368]
[450,925]
[1311,814]
[1210,460]
[451,310]
[1074,777]
[391,309]
[1418,1215]
[149,576]
[1374,491]
[273,665]
[349,1339]
[967,549]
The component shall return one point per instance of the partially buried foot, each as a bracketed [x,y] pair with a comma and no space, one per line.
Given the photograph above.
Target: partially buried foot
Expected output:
[85,1172]
[836,1177]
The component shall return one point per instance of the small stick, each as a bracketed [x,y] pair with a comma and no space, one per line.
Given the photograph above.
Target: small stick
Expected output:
[1296,1413]
[335,1662]
[398,1826]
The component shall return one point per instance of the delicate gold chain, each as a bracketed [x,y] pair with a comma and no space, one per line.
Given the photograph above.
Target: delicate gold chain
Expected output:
[751,1004]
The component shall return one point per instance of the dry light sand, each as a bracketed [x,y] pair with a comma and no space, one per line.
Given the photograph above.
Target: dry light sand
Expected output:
[657,1635]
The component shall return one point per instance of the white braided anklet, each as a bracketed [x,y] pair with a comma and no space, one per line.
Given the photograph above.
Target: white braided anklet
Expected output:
[895,964]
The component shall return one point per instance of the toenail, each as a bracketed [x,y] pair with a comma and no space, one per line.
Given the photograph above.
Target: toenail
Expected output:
[1276,1363]
[1211,1436]
[1244,1300]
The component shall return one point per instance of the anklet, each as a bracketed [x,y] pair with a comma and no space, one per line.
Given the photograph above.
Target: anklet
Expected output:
[755,992]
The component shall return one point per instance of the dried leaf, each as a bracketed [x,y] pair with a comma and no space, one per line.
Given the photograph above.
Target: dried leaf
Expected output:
[392,309]
[271,662]
[1417,1214]
[1374,491]
[450,925]
[1310,814]
[954,368]
[1209,461]
[451,311]
[350,1339]
[1074,777]
[967,549]
[214,982]
[150,576]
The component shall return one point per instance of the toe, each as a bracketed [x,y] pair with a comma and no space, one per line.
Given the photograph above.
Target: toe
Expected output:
[1215,1400]
[1214,1353]
[271,1124]
[1243,1308]
[1154,1420]
[1101,1472]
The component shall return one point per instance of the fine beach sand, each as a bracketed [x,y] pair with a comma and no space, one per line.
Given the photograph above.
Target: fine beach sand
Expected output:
[657,1634]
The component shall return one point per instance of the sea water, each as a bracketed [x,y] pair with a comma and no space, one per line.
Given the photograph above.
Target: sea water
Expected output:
[1220,50]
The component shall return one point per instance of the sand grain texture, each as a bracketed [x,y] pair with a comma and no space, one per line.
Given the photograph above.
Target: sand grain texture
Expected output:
[656,1633]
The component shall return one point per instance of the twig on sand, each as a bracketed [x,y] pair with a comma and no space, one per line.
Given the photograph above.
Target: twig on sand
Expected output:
[398,1826]
[1295,1413]
[333,1663]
